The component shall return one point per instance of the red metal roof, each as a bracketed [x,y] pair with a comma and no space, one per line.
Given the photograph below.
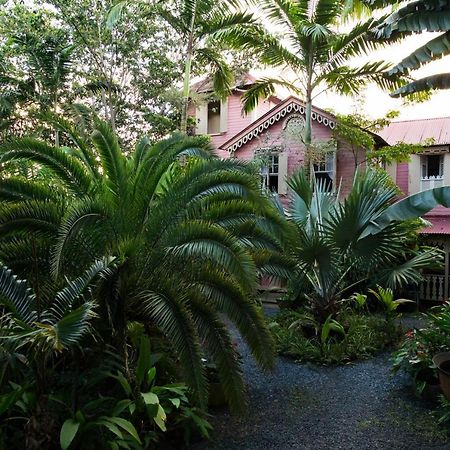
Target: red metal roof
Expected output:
[206,84]
[418,131]
[440,225]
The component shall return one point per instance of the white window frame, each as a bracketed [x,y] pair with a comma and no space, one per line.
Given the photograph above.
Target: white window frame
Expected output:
[431,181]
[328,167]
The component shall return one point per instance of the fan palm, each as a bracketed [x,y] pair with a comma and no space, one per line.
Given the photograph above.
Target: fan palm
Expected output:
[314,48]
[417,17]
[199,23]
[340,245]
[188,231]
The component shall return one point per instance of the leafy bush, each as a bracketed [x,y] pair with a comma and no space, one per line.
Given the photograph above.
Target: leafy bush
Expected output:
[415,356]
[349,336]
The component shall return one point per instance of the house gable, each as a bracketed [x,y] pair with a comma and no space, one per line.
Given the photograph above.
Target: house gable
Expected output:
[276,114]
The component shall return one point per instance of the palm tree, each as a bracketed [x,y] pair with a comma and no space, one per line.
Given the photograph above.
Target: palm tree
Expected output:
[189,233]
[363,240]
[48,63]
[199,24]
[314,48]
[417,17]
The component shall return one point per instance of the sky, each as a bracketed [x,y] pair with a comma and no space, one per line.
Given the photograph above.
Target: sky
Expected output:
[377,102]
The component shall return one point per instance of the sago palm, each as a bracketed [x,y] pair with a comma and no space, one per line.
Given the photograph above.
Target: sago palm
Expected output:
[189,233]
[340,246]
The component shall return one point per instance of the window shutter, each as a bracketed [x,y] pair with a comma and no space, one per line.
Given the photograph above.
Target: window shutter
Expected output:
[224,116]
[201,116]
[282,173]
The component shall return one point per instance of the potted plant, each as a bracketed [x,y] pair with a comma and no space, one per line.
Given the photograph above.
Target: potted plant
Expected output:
[442,362]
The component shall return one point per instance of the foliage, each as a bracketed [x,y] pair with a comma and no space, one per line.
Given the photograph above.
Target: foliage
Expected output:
[386,297]
[37,59]
[415,356]
[359,133]
[360,241]
[418,17]
[189,234]
[350,335]
[199,26]
[313,46]
[94,404]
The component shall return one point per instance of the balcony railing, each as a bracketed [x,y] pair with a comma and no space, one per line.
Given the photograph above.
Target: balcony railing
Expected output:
[431,182]
[432,288]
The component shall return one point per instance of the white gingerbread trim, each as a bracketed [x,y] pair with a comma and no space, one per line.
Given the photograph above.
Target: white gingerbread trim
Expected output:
[287,109]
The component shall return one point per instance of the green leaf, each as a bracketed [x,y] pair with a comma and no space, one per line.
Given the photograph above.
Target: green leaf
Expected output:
[176,402]
[151,374]
[68,432]
[127,426]
[144,361]
[161,418]
[150,398]
[105,421]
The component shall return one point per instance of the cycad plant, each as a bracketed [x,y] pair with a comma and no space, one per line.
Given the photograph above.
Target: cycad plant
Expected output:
[189,234]
[340,246]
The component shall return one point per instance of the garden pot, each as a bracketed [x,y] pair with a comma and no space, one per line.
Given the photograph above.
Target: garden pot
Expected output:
[432,388]
[442,361]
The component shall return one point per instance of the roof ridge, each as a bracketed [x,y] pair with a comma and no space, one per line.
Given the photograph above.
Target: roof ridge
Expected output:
[420,120]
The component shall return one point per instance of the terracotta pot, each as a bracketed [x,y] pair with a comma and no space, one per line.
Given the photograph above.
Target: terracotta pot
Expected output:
[442,361]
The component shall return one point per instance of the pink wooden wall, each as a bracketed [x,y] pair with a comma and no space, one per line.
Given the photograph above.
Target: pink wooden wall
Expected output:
[295,149]
[237,121]
[402,177]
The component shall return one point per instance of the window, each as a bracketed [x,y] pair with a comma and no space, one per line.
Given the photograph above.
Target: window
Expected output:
[432,171]
[214,117]
[432,166]
[270,173]
[324,170]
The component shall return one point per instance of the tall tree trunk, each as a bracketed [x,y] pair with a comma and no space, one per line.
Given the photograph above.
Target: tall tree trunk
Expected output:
[187,71]
[112,111]
[307,136]
[55,111]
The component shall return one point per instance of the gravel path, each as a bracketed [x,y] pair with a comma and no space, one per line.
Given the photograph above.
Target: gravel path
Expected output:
[358,406]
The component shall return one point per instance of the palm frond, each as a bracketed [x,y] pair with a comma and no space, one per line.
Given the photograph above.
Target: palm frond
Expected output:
[69,170]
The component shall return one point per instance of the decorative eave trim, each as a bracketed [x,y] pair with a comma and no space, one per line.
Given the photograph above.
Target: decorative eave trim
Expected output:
[280,111]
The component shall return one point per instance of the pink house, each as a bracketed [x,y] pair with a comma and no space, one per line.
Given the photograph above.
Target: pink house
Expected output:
[273,130]
[427,169]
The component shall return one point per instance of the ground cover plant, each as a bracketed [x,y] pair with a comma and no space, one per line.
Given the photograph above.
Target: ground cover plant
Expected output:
[185,236]
[352,333]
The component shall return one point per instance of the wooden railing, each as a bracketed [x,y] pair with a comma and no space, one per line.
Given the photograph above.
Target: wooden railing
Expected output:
[432,288]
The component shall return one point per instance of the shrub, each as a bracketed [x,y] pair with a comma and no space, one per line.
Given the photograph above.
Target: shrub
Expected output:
[352,336]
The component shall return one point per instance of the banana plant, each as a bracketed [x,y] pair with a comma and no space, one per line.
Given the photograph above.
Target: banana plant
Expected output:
[418,17]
